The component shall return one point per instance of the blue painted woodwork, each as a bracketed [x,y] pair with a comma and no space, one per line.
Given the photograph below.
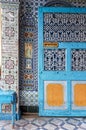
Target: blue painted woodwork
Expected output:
[8,97]
[68,75]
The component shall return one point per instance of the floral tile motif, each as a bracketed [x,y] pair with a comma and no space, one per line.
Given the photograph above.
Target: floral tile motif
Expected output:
[9,64]
[9,31]
[9,79]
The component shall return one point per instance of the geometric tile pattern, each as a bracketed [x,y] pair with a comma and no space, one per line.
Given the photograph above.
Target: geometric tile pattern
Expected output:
[35,59]
[12,1]
[9,41]
[54,59]
[64,27]
[28,98]
[28,65]
[66,3]
[26,59]
[45,123]
[78,59]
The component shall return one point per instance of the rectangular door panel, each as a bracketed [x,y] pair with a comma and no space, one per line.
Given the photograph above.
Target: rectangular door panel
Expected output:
[62,61]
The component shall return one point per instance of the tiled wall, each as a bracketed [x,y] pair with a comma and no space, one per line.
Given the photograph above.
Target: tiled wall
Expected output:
[28,46]
[9,48]
[28,24]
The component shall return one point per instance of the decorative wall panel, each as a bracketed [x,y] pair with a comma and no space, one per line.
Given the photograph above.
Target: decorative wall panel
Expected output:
[28,98]
[54,59]
[9,42]
[64,27]
[79,95]
[26,59]
[78,59]
[54,96]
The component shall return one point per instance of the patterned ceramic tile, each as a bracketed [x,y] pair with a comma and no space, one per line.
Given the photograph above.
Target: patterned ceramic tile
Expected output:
[28,50]
[10,74]
[9,70]
[54,59]
[6,108]
[9,64]
[28,98]
[78,59]
[64,27]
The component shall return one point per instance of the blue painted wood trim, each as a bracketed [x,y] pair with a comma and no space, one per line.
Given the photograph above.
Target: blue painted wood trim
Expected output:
[58,75]
[7,116]
[40,50]
[62,9]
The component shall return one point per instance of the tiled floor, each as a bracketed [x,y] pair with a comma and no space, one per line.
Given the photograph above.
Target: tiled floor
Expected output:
[45,123]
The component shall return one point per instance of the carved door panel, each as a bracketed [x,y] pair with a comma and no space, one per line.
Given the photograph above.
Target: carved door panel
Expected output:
[62,61]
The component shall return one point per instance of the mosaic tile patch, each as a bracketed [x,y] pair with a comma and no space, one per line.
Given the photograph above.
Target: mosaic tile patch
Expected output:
[9,79]
[6,108]
[26,17]
[26,59]
[28,50]
[64,27]
[9,64]
[28,76]
[29,64]
[9,32]
[9,74]
[78,60]
[54,59]
[28,98]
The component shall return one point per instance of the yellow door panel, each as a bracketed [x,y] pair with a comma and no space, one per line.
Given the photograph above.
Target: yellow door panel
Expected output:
[55,94]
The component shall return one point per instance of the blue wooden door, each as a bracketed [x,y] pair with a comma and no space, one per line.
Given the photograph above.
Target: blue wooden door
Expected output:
[62,61]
